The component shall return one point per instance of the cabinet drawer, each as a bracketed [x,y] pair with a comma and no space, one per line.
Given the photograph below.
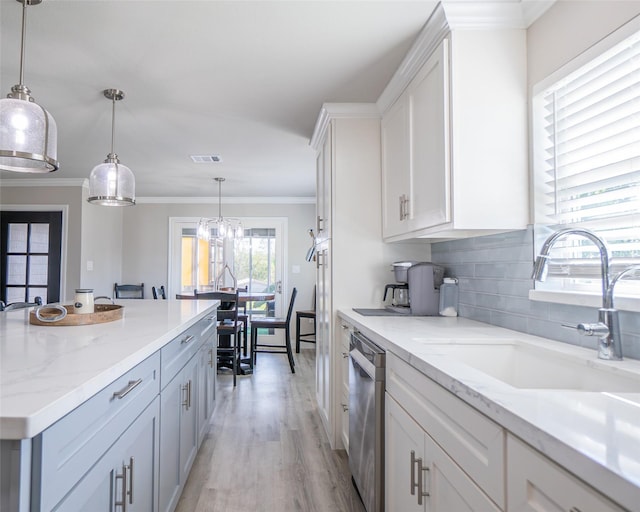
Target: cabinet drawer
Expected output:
[475,442]
[537,483]
[68,449]
[175,354]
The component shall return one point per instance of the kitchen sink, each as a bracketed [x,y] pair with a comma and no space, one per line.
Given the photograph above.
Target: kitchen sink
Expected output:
[524,365]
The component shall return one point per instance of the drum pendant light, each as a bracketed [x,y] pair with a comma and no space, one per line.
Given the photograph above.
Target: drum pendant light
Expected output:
[111,183]
[28,133]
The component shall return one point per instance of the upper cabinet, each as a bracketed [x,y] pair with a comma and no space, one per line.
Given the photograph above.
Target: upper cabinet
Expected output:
[454,134]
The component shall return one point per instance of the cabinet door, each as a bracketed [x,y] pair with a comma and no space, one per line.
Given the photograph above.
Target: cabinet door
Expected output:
[324,165]
[404,444]
[395,168]
[536,483]
[178,439]
[323,332]
[127,473]
[448,487]
[343,355]
[206,387]
[428,97]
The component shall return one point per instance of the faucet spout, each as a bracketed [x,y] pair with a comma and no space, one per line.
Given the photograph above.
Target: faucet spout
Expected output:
[540,265]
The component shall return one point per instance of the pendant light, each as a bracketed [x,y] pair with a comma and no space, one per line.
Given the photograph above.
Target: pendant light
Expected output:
[229,228]
[111,183]
[28,133]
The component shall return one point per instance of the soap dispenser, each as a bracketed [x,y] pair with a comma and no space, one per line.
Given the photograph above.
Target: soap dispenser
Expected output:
[449,297]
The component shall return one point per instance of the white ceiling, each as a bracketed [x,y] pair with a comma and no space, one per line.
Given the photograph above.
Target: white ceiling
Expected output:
[242,79]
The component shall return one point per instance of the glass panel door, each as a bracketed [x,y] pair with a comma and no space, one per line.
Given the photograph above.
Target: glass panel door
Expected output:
[256,261]
[30,249]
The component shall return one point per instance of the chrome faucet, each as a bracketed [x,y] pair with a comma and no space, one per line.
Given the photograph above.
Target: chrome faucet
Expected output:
[20,305]
[607,328]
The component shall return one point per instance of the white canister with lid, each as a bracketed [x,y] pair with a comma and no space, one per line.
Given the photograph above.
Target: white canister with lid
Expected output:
[449,297]
[83,302]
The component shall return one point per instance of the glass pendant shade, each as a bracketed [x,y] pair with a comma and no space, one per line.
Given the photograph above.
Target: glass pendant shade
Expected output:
[112,184]
[28,133]
[28,137]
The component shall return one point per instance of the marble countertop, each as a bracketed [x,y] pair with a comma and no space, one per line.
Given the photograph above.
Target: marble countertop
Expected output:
[594,435]
[47,371]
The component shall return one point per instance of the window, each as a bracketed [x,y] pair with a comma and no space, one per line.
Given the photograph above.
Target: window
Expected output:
[587,163]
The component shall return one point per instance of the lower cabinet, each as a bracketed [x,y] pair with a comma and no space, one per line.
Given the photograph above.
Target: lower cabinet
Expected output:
[441,454]
[345,338]
[537,483]
[124,479]
[419,475]
[206,386]
[179,435]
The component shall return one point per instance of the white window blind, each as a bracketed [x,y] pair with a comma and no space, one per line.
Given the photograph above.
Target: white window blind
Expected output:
[587,162]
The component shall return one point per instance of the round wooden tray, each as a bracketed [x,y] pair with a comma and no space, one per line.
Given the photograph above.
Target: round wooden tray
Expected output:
[102,313]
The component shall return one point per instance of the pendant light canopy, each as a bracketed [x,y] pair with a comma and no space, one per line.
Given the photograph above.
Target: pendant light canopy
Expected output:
[112,183]
[28,133]
[229,228]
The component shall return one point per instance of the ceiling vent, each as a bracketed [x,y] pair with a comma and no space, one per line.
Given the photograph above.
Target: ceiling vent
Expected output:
[206,159]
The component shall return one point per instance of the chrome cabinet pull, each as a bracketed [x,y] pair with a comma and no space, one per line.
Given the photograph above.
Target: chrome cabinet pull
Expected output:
[319,223]
[130,491]
[187,395]
[413,473]
[123,500]
[401,203]
[421,470]
[345,355]
[186,339]
[574,509]
[345,407]
[211,358]
[128,389]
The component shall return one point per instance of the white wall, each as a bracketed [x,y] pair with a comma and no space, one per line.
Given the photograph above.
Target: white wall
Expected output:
[146,237]
[101,246]
[570,27]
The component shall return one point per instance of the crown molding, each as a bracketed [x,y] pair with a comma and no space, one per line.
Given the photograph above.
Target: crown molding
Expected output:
[226,200]
[331,111]
[450,16]
[42,182]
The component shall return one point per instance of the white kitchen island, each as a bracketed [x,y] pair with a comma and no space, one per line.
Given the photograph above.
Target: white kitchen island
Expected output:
[501,442]
[74,399]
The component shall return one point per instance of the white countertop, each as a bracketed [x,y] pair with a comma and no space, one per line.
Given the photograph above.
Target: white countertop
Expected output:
[594,435]
[47,371]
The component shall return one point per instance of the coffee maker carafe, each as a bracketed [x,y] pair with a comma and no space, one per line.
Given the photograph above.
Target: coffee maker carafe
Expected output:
[421,282]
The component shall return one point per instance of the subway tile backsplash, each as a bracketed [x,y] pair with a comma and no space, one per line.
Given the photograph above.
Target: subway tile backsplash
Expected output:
[494,274]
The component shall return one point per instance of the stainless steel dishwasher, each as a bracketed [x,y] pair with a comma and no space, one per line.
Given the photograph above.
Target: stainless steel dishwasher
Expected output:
[366,420]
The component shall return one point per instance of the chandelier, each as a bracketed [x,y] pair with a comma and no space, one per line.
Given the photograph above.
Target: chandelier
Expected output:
[225,228]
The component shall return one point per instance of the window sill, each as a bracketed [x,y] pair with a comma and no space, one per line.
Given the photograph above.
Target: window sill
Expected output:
[622,303]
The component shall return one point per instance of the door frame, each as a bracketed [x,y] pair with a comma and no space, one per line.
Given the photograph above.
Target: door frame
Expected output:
[64,208]
[280,223]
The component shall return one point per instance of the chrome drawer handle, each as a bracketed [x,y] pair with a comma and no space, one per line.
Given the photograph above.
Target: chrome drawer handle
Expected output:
[421,470]
[130,387]
[186,339]
[211,358]
[130,491]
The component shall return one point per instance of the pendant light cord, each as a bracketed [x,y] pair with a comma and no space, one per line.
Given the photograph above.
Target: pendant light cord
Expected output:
[22,40]
[113,122]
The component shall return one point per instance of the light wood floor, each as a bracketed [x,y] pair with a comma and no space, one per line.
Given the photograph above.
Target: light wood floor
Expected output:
[267,450]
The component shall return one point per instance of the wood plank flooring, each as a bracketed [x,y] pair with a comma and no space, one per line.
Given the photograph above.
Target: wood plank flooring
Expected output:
[267,450]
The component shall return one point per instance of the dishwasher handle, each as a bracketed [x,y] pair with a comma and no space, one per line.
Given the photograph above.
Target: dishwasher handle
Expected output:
[358,360]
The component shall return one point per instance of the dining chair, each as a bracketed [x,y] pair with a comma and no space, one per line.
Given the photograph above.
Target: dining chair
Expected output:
[274,323]
[128,291]
[229,330]
[309,337]
[243,318]
[158,292]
